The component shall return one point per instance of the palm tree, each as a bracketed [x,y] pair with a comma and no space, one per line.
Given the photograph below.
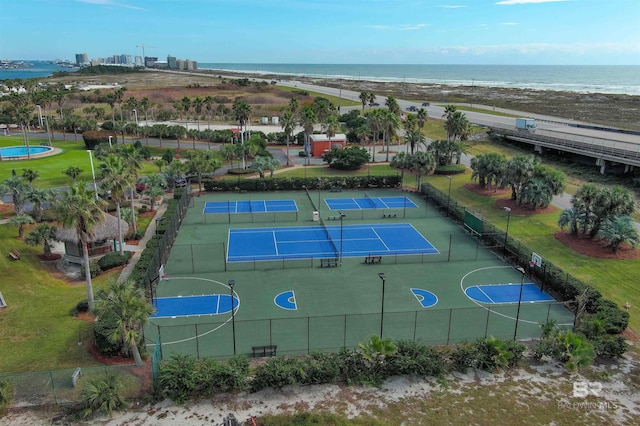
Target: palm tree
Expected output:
[375,123]
[332,127]
[414,139]
[198,104]
[30,175]
[38,197]
[18,189]
[262,163]
[364,98]
[619,230]
[43,234]
[209,102]
[449,110]
[390,123]
[125,304]
[519,171]
[186,106]
[611,202]
[392,104]
[422,164]
[119,97]
[376,350]
[20,221]
[288,123]
[536,193]
[308,119]
[132,157]
[323,109]
[116,177]
[401,161]
[422,117]
[584,202]
[241,112]
[81,209]
[201,163]
[570,218]
[73,173]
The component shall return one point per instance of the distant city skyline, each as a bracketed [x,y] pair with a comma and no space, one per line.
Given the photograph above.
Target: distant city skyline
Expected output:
[580,32]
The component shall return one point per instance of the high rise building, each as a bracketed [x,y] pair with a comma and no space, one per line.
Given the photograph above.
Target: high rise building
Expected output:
[82,59]
[172,63]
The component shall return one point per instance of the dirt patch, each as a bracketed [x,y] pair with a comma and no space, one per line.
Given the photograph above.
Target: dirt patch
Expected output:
[50,258]
[596,248]
[477,189]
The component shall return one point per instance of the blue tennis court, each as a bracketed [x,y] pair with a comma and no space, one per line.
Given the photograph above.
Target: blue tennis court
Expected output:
[186,306]
[366,203]
[252,206]
[507,293]
[305,242]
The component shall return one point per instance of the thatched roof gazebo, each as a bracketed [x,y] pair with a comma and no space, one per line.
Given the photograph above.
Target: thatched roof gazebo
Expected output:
[100,242]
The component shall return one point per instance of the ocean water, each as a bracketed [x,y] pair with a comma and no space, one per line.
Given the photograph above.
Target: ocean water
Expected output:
[577,78]
[33,69]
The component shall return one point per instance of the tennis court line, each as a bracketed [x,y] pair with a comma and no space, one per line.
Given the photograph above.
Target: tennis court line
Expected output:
[381,239]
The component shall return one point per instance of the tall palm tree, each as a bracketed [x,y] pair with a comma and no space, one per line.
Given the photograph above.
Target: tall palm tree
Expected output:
[132,158]
[392,104]
[400,161]
[570,218]
[125,304]
[186,106]
[144,106]
[414,139]
[241,112]
[519,171]
[584,201]
[30,175]
[201,163]
[116,177]
[197,104]
[422,117]
[308,119]
[364,98]
[81,209]
[209,104]
[422,164]
[20,221]
[119,97]
[332,127]
[390,124]
[288,123]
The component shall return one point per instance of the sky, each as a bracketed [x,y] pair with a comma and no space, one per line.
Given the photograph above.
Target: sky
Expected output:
[522,32]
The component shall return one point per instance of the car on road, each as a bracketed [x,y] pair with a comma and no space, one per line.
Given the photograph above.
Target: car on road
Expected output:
[412,108]
[375,104]
[179,182]
[426,104]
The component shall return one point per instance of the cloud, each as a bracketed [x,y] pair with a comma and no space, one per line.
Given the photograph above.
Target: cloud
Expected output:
[510,2]
[110,3]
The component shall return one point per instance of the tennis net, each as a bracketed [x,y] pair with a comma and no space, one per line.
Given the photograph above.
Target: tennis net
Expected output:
[326,231]
[370,201]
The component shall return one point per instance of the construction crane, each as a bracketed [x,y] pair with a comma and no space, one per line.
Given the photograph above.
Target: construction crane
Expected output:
[143,46]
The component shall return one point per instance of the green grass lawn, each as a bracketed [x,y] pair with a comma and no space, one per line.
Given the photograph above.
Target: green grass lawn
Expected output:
[38,332]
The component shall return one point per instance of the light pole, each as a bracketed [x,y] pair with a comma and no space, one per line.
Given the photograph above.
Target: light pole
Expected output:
[93,173]
[522,271]
[39,115]
[233,315]
[384,279]
[506,233]
[449,196]
[135,113]
[342,215]
[110,137]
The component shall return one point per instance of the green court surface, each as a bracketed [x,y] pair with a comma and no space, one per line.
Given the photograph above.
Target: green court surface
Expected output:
[340,306]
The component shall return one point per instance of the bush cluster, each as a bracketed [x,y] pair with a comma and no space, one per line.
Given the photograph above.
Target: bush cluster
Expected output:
[113,260]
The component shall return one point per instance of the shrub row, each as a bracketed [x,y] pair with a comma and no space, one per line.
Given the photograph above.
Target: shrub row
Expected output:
[183,377]
[296,184]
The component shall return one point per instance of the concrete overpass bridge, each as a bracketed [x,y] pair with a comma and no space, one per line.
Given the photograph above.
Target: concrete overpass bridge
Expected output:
[607,148]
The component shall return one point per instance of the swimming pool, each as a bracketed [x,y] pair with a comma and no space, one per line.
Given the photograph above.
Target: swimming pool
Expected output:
[20,152]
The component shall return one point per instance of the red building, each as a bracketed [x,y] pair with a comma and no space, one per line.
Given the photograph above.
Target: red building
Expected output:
[321,144]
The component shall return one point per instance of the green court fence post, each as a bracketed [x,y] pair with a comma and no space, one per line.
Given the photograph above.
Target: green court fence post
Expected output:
[486,327]
[197,342]
[308,335]
[53,388]
[548,311]
[193,263]
[270,331]
[450,244]
[344,344]
[477,247]
[415,324]
[224,258]
[449,327]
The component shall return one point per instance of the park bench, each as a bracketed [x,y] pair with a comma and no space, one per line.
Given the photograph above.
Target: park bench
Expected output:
[328,263]
[333,217]
[389,216]
[370,260]
[262,351]
[14,254]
